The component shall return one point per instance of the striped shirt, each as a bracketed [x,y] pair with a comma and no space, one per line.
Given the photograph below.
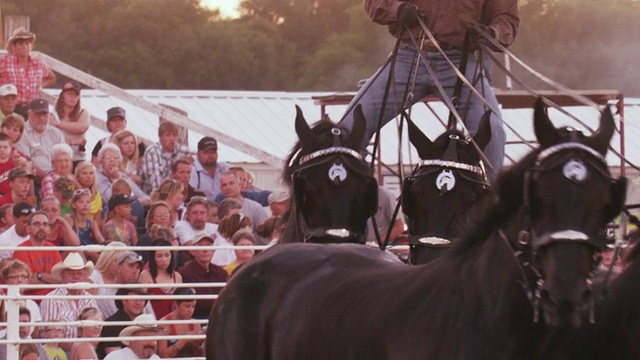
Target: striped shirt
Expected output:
[449,20]
[65,310]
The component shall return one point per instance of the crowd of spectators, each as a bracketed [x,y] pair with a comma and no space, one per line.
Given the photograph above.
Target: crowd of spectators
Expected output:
[126,194]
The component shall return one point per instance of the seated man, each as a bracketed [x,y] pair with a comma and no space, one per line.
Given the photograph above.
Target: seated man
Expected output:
[40,262]
[24,317]
[18,232]
[72,270]
[201,270]
[138,349]
[39,137]
[128,310]
[259,196]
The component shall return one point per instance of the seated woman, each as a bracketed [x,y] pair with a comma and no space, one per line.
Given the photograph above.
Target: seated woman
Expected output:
[271,229]
[109,171]
[81,350]
[62,166]
[171,192]
[14,272]
[227,227]
[162,270]
[128,144]
[241,238]
[183,311]
[83,225]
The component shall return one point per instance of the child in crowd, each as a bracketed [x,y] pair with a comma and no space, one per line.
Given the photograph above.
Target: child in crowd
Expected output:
[119,228]
[63,190]
[80,219]
[6,163]
[52,350]
[85,178]
[13,127]
[122,186]
[6,217]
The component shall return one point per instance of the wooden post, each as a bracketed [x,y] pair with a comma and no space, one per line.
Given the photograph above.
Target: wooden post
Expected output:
[183,134]
[12,22]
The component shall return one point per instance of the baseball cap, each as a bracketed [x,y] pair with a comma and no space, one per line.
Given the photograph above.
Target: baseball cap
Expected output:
[120,199]
[39,105]
[116,111]
[278,195]
[22,209]
[8,89]
[71,85]
[19,172]
[130,257]
[207,143]
[202,238]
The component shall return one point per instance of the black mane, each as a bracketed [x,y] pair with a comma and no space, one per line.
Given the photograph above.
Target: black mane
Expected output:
[508,187]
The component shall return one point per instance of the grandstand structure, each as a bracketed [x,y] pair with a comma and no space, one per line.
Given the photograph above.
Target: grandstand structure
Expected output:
[255,130]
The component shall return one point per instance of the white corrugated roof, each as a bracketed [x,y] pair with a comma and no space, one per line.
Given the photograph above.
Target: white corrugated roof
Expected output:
[266,120]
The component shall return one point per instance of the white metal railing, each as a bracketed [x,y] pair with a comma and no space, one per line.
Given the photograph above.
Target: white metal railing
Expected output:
[13,295]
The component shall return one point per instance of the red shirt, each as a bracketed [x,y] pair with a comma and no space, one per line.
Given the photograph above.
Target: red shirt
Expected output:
[5,168]
[38,261]
[27,81]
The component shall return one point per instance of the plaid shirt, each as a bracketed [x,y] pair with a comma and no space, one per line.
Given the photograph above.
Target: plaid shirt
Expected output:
[156,164]
[29,81]
[37,146]
[47,184]
[449,20]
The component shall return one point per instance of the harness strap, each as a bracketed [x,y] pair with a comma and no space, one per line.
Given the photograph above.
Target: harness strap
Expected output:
[457,90]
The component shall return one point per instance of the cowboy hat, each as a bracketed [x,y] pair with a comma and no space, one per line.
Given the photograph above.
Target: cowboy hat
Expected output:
[143,318]
[20,34]
[73,261]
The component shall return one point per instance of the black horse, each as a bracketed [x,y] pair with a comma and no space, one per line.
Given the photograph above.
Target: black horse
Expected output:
[444,190]
[334,192]
[615,334]
[521,270]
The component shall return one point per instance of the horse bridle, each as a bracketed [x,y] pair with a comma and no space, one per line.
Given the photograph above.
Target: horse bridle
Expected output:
[574,170]
[320,157]
[446,165]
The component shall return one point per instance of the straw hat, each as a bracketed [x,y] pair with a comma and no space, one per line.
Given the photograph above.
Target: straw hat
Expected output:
[132,329]
[20,34]
[73,261]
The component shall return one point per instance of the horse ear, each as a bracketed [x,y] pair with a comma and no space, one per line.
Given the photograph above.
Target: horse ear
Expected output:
[483,135]
[359,127]
[600,140]
[618,198]
[420,141]
[302,128]
[546,133]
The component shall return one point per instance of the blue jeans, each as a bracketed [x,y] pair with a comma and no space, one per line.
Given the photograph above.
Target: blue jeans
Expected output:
[470,107]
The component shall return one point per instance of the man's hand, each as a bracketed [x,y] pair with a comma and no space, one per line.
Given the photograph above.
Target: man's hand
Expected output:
[408,15]
[482,41]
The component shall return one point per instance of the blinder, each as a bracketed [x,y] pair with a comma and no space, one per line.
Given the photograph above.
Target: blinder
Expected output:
[339,170]
[575,169]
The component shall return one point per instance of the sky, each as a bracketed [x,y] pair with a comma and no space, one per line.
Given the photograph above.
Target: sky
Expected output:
[227,7]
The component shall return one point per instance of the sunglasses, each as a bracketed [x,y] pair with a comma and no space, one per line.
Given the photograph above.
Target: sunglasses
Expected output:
[79,192]
[131,258]
[26,211]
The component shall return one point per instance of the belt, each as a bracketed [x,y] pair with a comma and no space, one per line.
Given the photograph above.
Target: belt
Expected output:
[427,45]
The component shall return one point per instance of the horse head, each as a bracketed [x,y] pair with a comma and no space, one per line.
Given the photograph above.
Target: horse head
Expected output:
[333,189]
[568,196]
[438,196]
